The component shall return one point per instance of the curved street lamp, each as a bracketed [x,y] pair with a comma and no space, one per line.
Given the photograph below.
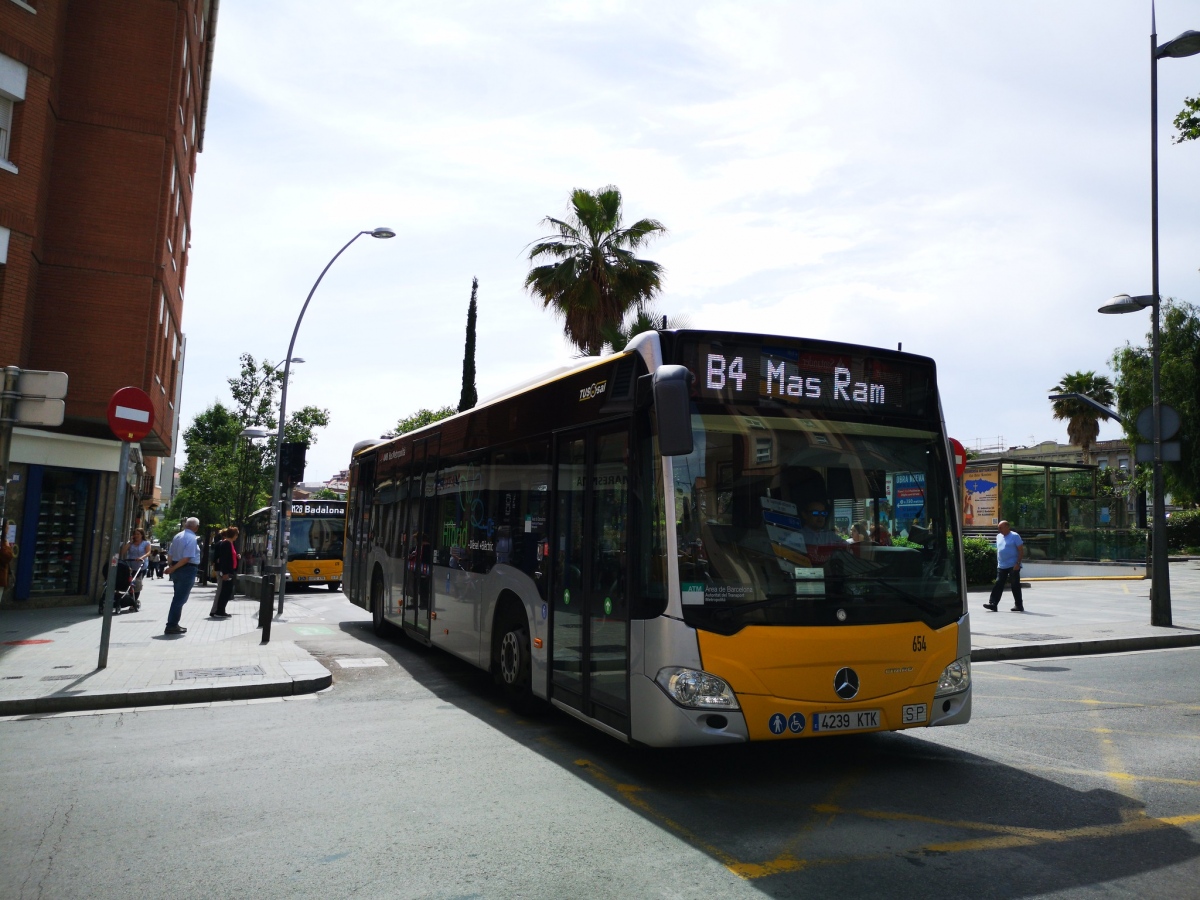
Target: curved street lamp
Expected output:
[1186,44]
[279,557]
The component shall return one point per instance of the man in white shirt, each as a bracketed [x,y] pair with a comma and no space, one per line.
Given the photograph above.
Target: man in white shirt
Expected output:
[183,559]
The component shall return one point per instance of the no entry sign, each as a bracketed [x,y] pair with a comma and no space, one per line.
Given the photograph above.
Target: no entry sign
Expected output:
[960,458]
[130,415]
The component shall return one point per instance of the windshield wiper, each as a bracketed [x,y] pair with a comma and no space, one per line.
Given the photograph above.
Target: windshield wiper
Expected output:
[921,604]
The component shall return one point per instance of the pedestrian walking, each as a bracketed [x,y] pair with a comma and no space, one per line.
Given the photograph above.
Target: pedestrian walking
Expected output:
[184,557]
[1010,550]
[225,563]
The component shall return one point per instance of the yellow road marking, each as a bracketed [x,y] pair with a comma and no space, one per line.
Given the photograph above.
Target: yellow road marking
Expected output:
[630,793]
[1003,837]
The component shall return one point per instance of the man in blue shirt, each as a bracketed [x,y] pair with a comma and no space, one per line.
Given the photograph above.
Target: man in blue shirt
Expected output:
[184,557]
[1010,550]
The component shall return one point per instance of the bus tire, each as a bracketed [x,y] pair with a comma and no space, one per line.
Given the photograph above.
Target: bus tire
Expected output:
[378,623]
[335,585]
[514,665]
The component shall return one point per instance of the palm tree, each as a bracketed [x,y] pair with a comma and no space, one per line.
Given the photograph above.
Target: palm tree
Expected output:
[646,318]
[1083,424]
[594,279]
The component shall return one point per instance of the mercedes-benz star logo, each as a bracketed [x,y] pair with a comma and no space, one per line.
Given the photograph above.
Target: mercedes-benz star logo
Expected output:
[845,683]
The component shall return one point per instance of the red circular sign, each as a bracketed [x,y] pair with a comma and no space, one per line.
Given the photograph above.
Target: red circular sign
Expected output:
[130,415]
[960,458]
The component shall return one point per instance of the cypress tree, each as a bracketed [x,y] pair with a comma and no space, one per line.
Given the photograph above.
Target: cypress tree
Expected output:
[469,397]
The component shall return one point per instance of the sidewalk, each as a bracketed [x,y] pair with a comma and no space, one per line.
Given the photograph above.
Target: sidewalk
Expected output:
[48,656]
[1070,618]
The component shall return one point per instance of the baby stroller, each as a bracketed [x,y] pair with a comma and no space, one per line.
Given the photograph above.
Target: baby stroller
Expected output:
[127,589]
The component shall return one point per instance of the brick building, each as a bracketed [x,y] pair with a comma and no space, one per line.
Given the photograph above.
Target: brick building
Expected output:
[102,109]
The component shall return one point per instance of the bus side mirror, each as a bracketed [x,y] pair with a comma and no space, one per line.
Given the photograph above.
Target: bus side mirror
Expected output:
[672,388]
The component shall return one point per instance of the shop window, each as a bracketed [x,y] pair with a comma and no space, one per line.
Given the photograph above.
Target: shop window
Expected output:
[61,530]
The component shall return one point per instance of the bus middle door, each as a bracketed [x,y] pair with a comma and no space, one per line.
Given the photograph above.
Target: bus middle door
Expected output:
[421,515]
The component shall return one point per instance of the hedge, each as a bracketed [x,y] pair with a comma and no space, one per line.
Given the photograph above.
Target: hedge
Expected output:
[1183,529]
[980,555]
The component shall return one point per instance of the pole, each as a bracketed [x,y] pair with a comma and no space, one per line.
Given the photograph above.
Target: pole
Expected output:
[8,413]
[1160,583]
[280,561]
[118,530]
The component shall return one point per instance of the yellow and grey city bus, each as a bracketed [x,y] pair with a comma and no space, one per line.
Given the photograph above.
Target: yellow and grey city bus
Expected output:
[707,538]
[315,547]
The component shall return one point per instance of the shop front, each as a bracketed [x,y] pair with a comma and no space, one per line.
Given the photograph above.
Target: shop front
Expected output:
[59,517]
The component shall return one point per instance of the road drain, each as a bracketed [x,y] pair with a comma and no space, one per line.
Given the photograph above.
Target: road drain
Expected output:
[219,672]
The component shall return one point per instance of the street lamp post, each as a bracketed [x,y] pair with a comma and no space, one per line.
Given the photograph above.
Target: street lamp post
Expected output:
[1186,44]
[280,560]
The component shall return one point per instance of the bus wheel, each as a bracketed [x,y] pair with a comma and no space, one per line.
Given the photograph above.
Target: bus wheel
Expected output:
[514,668]
[334,585]
[378,622]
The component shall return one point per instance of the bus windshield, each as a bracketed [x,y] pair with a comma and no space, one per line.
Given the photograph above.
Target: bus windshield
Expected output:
[316,538]
[792,519]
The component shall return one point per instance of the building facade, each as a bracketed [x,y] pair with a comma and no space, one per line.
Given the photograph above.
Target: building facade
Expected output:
[102,110]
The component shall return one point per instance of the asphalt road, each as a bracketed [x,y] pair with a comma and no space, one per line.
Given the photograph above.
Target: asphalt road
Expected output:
[1077,778]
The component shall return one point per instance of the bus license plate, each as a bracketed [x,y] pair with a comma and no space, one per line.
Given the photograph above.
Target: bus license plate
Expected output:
[914,714]
[312,577]
[856,720]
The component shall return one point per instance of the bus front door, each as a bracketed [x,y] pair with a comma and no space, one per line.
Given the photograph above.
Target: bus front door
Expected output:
[590,630]
[420,512]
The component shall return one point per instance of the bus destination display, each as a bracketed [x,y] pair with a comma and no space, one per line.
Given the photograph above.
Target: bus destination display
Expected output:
[809,378]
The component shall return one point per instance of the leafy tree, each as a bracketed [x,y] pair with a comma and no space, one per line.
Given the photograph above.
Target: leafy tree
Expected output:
[646,318]
[594,279]
[1187,123]
[326,494]
[226,477]
[1180,385]
[1083,421]
[469,396]
[420,419]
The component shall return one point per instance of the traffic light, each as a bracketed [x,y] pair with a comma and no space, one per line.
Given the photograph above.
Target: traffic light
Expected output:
[291,462]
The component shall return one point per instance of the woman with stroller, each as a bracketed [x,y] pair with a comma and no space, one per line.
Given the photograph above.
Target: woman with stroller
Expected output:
[136,555]
[226,563]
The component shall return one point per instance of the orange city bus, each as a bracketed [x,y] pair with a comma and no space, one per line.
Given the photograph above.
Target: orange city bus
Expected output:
[315,546]
[706,538]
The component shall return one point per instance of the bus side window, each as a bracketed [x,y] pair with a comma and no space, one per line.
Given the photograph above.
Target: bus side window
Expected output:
[517,504]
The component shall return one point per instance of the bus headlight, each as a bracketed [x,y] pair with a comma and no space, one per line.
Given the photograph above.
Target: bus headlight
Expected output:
[695,689]
[956,678]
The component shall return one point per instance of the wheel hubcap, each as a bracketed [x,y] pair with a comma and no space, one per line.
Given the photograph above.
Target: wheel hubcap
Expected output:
[509,654]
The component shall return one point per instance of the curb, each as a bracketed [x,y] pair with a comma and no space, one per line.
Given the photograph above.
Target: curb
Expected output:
[167,696]
[1085,648]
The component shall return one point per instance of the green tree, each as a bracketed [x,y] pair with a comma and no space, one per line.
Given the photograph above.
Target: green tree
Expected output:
[1187,123]
[226,477]
[593,279]
[326,494]
[1180,387]
[469,396]
[646,318]
[1083,421]
[420,419]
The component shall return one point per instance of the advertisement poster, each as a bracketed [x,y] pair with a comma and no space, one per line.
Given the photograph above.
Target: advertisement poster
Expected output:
[909,502]
[981,498]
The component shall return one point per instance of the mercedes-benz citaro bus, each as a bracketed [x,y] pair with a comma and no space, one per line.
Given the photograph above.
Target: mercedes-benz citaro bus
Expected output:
[704,539]
[316,542]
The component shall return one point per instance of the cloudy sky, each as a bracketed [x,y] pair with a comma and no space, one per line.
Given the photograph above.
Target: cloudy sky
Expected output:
[970,179]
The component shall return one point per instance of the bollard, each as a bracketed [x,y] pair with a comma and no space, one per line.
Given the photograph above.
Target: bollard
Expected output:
[266,602]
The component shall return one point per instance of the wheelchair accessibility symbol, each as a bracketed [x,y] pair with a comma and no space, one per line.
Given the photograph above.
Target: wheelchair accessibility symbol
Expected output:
[796,722]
